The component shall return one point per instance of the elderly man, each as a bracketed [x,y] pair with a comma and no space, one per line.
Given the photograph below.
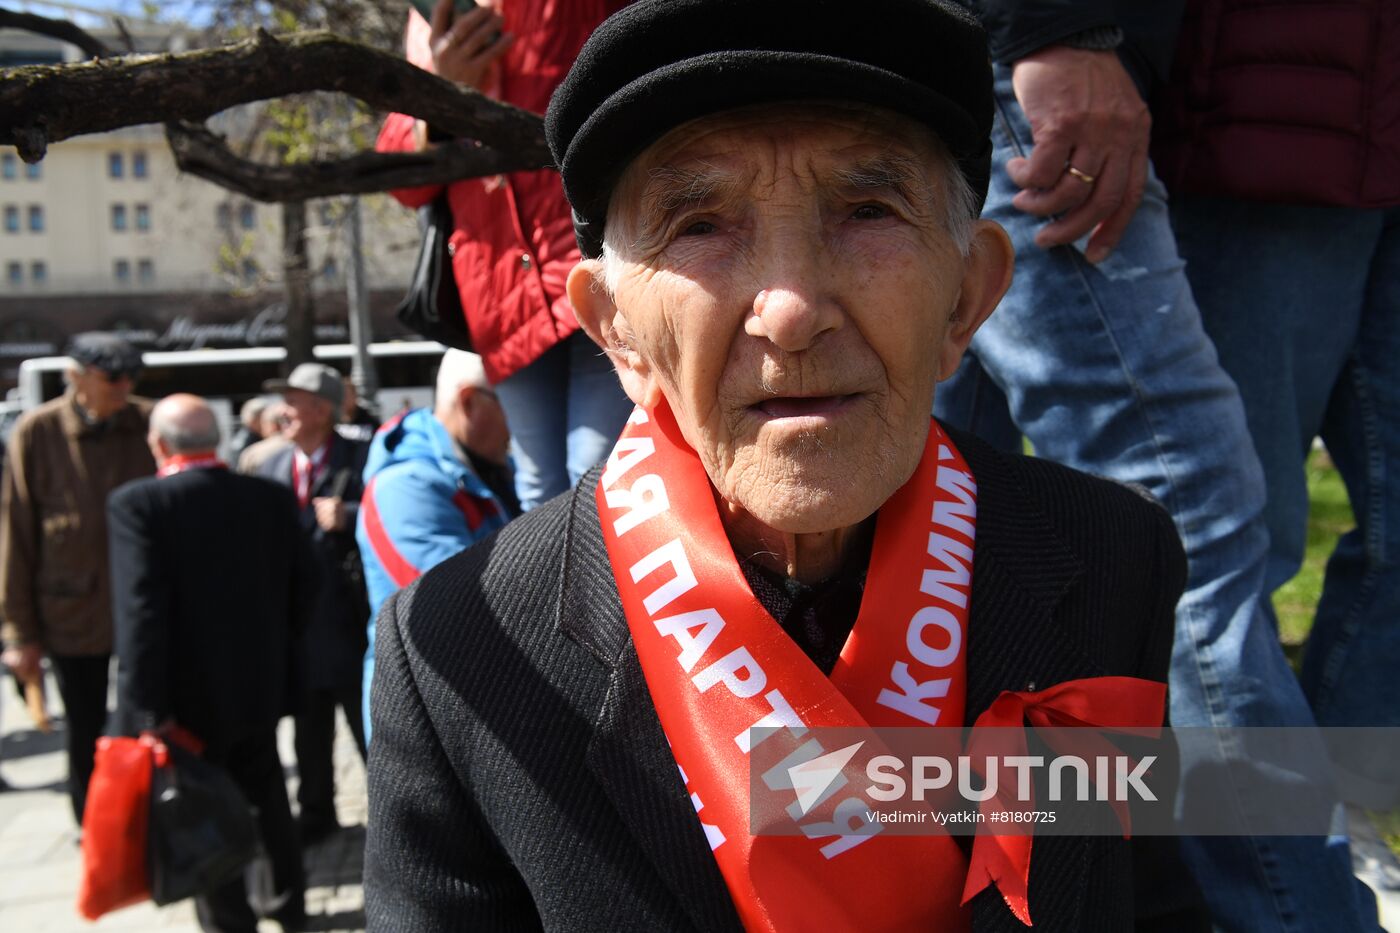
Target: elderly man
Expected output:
[270,422]
[64,458]
[198,646]
[777,208]
[250,429]
[323,469]
[436,482]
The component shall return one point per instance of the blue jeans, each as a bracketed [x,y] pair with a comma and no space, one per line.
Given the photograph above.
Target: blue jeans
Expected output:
[565,410]
[1107,368]
[1303,304]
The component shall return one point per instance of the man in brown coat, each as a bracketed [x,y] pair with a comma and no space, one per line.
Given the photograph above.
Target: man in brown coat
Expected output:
[63,460]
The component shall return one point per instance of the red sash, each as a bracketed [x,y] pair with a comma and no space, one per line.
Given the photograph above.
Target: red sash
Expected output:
[303,486]
[716,663]
[182,462]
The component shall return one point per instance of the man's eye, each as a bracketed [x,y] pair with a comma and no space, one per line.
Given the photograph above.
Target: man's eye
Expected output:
[698,228]
[870,212]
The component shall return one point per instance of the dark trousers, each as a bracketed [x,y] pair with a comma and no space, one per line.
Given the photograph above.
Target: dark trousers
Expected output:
[255,768]
[315,741]
[82,683]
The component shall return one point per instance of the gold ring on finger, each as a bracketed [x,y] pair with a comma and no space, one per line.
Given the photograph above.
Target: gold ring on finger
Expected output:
[1082,176]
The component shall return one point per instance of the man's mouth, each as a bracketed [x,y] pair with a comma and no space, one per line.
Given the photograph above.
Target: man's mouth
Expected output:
[804,406]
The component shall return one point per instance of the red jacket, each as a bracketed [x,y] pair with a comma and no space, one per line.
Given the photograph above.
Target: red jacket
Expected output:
[1289,101]
[514,243]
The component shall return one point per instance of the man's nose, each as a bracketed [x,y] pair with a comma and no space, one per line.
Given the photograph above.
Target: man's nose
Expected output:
[796,305]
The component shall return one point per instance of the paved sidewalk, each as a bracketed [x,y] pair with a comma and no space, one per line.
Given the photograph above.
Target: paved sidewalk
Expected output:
[40,860]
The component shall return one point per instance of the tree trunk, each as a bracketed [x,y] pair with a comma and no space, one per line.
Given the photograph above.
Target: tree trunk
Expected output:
[296,272]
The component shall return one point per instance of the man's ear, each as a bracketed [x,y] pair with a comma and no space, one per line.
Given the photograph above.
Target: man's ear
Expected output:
[986,278]
[157,446]
[465,394]
[608,328]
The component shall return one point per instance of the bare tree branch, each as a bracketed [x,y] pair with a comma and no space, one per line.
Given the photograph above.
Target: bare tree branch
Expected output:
[201,152]
[40,104]
[56,29]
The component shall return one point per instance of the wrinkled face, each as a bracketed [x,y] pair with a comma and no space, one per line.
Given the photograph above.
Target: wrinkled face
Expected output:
[102,393]
[786,281]
[309,418]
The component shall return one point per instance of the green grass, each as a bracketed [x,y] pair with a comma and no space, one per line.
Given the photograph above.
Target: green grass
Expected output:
[1329,517]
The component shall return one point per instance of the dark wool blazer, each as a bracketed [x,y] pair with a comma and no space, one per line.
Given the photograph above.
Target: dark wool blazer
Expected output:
[519,778]
[208,595]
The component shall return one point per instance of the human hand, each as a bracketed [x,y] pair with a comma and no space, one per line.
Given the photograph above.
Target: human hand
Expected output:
[330,513]
[1085,114]
[464,49]
[24,661]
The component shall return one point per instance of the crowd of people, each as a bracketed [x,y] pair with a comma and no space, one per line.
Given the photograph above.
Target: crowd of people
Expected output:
[777,242]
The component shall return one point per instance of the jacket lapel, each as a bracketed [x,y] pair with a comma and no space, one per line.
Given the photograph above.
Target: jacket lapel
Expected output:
[335,460]
[278,468]
[628,752]
[1021,573]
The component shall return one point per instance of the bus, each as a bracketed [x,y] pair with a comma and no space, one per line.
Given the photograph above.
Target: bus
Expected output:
[227,378]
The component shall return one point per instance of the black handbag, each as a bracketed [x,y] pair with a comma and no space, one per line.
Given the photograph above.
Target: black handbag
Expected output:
[433,305]
[202,831]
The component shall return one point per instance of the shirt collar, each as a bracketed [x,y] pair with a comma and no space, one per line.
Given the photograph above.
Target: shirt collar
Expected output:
[316,458]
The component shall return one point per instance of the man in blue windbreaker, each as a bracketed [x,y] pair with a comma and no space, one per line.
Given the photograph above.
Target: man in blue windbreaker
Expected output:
[436,482]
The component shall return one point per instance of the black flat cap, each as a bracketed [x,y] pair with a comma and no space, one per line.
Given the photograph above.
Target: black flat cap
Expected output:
[659,63]
[107,352]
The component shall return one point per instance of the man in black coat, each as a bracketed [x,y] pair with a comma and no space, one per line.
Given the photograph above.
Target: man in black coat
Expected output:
[777,209]
[324,470]
[201,648]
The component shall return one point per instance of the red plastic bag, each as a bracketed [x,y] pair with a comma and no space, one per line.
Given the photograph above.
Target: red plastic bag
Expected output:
[115,824]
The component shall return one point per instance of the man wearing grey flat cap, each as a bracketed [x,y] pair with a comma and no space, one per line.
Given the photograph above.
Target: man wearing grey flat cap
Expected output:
[323,469]
[777,203]
[64,459]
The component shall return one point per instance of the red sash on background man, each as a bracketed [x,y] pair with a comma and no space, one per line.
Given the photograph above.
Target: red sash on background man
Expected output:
[716,663]
[182,462]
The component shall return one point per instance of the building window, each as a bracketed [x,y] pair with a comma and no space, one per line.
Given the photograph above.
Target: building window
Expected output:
[143,217]
[11,219]
[114,165]
[14,273]
[145,271]
[33,171]
[138,165]
[330,270]
[118,217]
[245,217]
[38,272]
[121,270]
[8,164]
[36,218]
[250,271]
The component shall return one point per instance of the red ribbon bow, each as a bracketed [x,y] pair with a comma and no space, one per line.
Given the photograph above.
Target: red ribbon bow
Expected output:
[1125,705]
